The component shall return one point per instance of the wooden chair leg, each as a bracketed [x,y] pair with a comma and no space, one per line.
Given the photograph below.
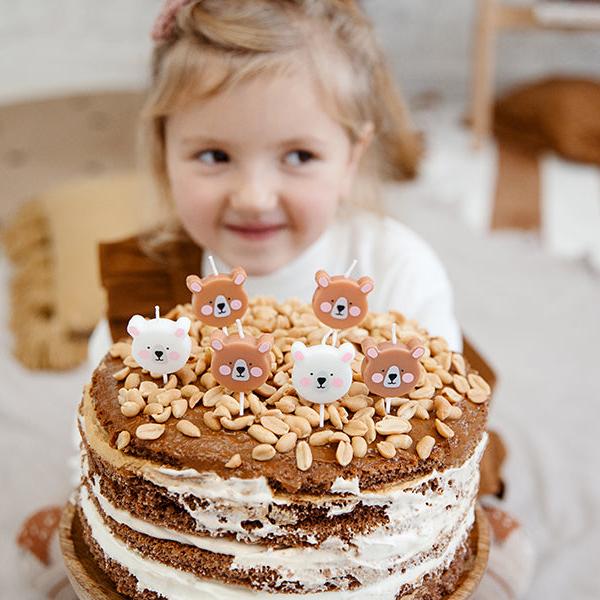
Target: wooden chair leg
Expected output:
[483,71]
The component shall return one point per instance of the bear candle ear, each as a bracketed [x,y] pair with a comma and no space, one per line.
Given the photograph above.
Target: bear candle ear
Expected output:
[298,351]
[183,326]
[135,325]
[265,343]
[347,352]
[238,276]
[216,340]
[417,352]
[369,348]
[322,278]
[193,283]
[366,285]
[416,348]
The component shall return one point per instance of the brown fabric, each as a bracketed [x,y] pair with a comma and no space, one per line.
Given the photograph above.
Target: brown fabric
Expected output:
[56,294]
[559,114]
[491,482]
[136,282]
[517,202]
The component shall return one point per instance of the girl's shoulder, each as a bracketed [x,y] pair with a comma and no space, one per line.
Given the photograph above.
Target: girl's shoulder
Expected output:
[390,244]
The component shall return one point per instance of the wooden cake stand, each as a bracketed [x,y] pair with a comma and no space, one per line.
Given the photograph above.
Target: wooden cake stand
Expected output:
[90,583]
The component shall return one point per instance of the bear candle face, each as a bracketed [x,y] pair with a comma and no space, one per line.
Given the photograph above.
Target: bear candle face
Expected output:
[322,373]
[240,364]
[391,369]
[160,345]
[218,300]
[340,302]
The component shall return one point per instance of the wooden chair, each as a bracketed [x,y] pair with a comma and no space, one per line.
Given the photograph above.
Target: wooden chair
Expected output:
[494,18]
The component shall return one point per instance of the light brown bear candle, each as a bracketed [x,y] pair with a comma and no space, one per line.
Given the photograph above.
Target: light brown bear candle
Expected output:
[391,369]
[219,299]
[240,364]
[340,302]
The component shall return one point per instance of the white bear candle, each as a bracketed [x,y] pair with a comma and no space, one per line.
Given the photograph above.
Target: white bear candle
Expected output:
[322,373]
[160,345]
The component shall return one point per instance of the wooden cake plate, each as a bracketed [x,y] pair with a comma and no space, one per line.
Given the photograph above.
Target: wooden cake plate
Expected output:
[90,583]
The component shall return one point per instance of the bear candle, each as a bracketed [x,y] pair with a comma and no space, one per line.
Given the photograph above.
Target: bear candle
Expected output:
[339,301]
[240,362]
[219,299]
[160,345]
[322,373]
[391,369]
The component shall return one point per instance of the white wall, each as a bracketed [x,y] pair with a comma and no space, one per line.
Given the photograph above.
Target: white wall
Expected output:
[55,46]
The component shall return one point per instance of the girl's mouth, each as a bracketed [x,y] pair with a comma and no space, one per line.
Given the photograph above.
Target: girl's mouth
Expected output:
[255,232]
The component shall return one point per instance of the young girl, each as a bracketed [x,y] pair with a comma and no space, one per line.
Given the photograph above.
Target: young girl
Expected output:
[270,125]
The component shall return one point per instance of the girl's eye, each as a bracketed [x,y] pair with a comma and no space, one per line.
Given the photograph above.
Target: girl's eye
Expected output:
[299,157]
[212,157]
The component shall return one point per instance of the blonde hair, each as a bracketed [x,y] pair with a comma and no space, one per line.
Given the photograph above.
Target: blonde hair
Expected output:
[214,44]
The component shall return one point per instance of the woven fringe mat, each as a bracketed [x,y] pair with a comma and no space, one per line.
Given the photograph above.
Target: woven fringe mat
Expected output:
[40,341]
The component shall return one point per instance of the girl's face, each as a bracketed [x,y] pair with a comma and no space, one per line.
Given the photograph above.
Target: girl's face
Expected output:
[257,172]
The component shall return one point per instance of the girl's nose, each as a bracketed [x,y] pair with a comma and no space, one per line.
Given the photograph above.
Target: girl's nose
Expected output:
[254,193]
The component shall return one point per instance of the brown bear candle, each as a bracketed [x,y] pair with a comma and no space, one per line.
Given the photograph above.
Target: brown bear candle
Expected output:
[219,299]
[340,302]
[240,362]
[391,369]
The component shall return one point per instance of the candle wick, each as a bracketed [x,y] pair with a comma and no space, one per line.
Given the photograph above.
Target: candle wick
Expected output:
[351,268]
[157,312]
[394,339]
[211,260]
[240,328]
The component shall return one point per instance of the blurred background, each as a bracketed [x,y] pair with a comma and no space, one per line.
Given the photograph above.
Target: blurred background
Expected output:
[507,95]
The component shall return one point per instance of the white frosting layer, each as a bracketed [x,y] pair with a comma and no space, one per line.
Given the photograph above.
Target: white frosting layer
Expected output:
[417,521]
[174,584]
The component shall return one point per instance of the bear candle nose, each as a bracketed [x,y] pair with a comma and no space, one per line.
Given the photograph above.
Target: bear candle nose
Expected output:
[221,305]
[158,353]
[240,370]
[392,376]
[321,380]
[340,308]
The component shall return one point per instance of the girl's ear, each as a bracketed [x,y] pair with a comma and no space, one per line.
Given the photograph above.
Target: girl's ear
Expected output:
[357,151]
[361,144]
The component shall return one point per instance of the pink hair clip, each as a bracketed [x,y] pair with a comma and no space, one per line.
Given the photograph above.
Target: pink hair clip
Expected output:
[163,26]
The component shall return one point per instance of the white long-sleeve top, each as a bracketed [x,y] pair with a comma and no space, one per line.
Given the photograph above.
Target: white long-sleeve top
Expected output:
[408,275]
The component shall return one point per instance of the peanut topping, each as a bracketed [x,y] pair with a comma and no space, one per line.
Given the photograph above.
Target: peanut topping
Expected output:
[234,462]
[188,428]
[304,456]
[149,431]
[425,446]
[277,418]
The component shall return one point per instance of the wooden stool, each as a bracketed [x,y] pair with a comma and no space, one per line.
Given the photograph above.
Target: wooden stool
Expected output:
[493,18]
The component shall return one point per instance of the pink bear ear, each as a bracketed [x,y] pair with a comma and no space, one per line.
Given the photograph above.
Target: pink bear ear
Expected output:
[183,326]
[322,278]
[347,352]
[366,285]
[372,352]
[265,343]
[417,352]
[216,344]
[239,276]
[298,351]
[136,325]
[194,283]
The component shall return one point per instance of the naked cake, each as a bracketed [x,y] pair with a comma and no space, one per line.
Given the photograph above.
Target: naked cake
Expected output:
[183,498]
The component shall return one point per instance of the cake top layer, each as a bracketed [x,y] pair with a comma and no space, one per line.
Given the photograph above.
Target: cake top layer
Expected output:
[192,422]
